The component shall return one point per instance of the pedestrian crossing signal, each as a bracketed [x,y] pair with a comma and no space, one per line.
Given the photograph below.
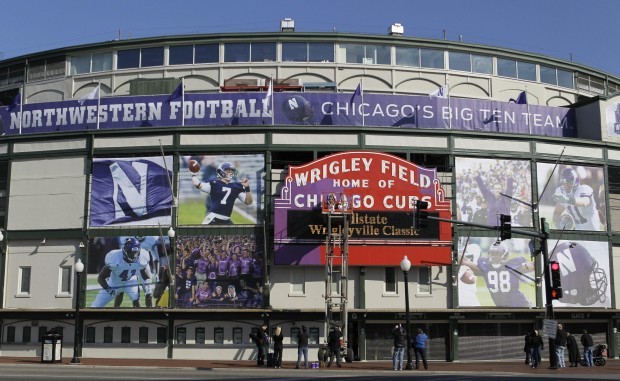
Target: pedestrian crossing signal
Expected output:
[556,280]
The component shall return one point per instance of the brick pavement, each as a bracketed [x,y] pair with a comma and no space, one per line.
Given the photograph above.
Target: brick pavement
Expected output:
[612,366]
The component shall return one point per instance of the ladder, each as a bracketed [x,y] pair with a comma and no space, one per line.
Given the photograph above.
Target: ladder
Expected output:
[337,215]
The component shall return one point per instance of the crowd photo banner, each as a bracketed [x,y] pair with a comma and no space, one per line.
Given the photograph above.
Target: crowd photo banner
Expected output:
[486,188]
[219,271]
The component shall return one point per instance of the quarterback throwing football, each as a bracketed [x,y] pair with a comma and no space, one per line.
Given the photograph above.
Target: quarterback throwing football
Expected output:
[224,191]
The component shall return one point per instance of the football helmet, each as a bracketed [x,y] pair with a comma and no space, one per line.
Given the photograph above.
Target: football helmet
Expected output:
[569,181]
[226,171]
[472,252]
[131,250]
[498,253]
[583,281]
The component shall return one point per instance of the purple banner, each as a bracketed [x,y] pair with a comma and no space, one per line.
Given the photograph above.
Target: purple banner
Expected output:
[131,191]
[327,109]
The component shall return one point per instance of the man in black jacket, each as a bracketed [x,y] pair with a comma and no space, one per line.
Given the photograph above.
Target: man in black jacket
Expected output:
[588,343]
[262,342]
[302,346]
[334,343]
[560,346]
[400,344]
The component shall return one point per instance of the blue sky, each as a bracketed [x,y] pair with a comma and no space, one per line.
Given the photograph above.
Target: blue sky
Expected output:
[580,30]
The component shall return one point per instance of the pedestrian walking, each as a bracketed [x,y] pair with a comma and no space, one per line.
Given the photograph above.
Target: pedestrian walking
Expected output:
[278,347]
[560,346]
[527,349]
[261,339]
[334,342]
[536,344]
[302,346]
[400,345]
[588,343]
[573,350]
[419,347]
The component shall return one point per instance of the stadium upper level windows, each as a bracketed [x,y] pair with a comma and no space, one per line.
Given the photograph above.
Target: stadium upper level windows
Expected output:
[407,56]
[11,74]
[432,58]
[294,52]
[193,54]
[307,52]
[516,69]
[246,52]
[320,52]
[556,77]
[364,54]
[47,68]
[590,83]
[237,52]
[135,58]
[152,57]
[263,51]
[416,57]
[470,62]
[91,63]
[207,53]
[181,55]
[127,59]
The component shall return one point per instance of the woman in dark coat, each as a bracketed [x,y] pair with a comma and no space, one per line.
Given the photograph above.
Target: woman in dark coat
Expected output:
[278,347]
[573,350]
[536,344]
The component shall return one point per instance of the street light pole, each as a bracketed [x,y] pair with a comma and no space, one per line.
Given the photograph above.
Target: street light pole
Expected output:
[405,265]
[77,339]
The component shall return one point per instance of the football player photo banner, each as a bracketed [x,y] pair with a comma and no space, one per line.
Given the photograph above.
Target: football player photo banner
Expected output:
[131,191]
[219,271]
[128,271]
[494,273]
[584,271]
[486,188]
[573,198]
[221,190]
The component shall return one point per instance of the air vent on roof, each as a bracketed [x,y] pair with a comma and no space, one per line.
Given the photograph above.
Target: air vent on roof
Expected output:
[287,25]
[396,30]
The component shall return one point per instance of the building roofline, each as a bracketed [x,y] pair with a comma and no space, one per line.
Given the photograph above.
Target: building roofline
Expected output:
[313,36]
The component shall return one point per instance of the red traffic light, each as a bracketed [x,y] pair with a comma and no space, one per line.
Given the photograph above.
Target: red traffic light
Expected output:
[556,293]
[555,266]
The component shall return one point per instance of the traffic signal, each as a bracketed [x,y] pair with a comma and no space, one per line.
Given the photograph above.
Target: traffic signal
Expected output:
[421,215]
[504,227]
[556,280]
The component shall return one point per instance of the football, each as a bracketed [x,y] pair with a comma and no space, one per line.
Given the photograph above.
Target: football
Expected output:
[194,166]
[468,277]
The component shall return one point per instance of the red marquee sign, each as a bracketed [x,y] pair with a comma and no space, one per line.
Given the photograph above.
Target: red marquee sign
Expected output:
[381,190]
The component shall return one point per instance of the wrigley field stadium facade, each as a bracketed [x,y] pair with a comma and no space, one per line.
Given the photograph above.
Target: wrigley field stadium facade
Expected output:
[191,177]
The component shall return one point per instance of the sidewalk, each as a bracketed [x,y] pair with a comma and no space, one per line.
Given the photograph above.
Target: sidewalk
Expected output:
[612,366]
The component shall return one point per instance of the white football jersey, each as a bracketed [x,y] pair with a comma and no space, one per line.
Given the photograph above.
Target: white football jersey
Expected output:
[586,217]
[124,273]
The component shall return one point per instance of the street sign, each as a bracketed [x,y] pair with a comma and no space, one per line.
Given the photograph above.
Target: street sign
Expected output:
[550,328]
